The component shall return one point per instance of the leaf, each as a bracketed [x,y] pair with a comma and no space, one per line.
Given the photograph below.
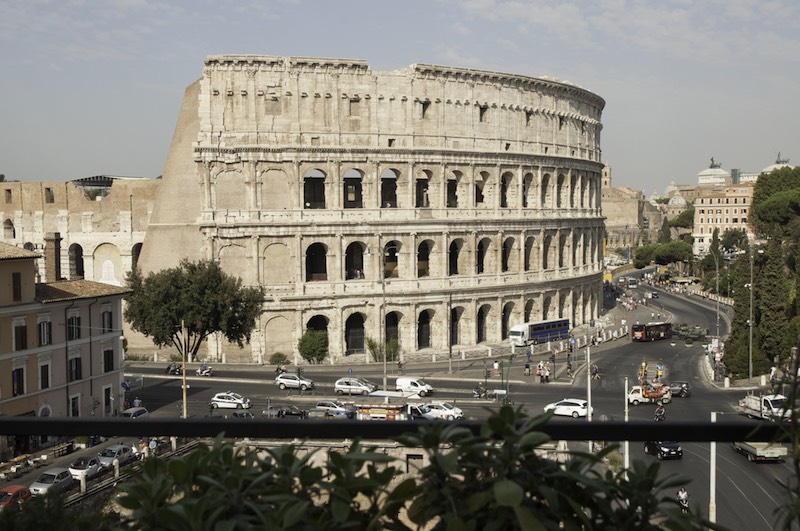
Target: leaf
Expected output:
[508,493]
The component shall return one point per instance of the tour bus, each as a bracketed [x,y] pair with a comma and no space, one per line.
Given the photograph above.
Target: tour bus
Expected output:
[540,332]
[651,331]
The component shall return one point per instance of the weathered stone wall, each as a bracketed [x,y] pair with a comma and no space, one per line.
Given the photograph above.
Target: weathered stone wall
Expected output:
[447,203]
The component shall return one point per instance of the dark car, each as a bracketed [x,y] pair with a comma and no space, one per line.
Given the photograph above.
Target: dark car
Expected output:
[680,389]
[291,410]
[664,449]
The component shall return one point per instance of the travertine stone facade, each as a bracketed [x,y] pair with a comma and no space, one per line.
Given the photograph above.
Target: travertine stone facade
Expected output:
[434,205]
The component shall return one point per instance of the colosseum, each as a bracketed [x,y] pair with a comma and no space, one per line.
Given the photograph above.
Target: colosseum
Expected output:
[433,205]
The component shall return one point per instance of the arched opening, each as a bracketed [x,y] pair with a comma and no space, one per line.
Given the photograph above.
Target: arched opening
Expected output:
[136,251]
[390,259]
[76,271]
[318,323]
[548,242]
[480,183]
[352,191]
[453,256]
[423,258]
[545,191]
[508,249]
[530,250]
[314,189]
[389,188]
[527,188]
[505,186]
[483,250]
[392,332]
[316,267]
[452,189]
[573,188]
[505,321]
[546,308]
[8,230]
[354,261]
[421,190]
[456,314]
[560,190]
[529,308]
[28,246]
[354,334]
[481,323]
[424,329]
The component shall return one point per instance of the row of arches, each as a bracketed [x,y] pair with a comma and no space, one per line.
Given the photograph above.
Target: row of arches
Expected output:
[246,188]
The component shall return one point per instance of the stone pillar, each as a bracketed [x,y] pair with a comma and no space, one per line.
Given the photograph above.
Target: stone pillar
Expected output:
[52,256]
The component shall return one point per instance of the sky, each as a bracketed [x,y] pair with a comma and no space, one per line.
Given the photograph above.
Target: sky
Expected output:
[93,87]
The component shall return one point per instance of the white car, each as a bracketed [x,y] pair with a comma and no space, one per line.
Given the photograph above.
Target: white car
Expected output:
[120,452]
[292,381]
[87,467]
[135,413]
[230,400]
[569,407]
[354,386]
[445,410]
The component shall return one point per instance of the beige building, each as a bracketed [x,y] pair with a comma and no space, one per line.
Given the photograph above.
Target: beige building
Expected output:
[729,209]
[60,345]
[434,205]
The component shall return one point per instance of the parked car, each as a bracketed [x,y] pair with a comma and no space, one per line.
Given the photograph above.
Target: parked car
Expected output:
[664,449]
[445,410]
[569,407]
[354,386]
[334,408]
[87,467]
[12,496]
[242,415]
[293,381]
[135,413]
[680,389]
[120,452]
[230,400]
[291,410]
[57,478]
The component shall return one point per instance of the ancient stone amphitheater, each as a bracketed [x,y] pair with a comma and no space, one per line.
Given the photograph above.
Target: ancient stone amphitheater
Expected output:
[433,205]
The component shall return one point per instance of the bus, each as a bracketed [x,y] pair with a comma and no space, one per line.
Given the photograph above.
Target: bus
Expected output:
[633,283]
[539,332]
[651,331]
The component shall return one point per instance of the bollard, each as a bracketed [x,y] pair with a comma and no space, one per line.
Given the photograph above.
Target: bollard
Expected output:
[115,464]
[727,382]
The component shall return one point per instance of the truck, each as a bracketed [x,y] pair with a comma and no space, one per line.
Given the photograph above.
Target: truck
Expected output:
[394,412]
[765,407]
[761,451]
[649,393]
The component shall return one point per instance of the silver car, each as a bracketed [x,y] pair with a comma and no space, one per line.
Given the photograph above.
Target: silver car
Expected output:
[120,452]
[57,478]
[292,381]
[353,386]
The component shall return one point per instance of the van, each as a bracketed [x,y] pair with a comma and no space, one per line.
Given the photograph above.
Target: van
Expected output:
[414,386]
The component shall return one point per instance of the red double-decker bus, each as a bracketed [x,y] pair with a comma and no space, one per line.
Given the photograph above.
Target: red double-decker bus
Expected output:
[651,331]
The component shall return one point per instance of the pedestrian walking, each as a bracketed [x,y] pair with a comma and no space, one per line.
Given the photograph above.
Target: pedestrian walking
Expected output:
[540,371]
[547,372]
[496,367]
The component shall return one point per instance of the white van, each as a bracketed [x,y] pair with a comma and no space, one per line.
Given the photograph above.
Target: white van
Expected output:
[415,386]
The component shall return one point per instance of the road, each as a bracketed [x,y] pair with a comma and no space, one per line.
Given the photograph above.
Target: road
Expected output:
[747,494]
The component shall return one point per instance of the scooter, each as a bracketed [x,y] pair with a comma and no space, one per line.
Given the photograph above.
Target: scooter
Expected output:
[480,393]
[174,369]
[684,503]
[660,417]
[204,372]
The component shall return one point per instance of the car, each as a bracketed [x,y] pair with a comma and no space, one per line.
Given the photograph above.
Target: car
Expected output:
[120,452]
[14,496]
[654,294]
[680,389]
[87,467]
[230,400]
[445,410]
[293,381]
[245,415]
[664,449]
[569,407]
[57,478]
[334,408]
[135,413]
[354,386]
[291,410]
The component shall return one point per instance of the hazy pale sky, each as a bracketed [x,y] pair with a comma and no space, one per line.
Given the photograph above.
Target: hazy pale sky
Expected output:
[91,87]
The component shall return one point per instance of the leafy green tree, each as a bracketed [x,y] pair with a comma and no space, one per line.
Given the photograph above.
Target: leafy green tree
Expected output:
[737,344]
[672,252]
[734,239]
[664,235]
[376,352]
[644,255]
[773,298]
[684,220]
[313,346]
[198,294]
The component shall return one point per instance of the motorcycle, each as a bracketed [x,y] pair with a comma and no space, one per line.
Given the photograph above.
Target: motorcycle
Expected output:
[174,369]
[279,370]
[684,504]
[204,371]
[660,416]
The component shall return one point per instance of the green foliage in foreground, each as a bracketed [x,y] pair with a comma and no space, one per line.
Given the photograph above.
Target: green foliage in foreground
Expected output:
[494,481]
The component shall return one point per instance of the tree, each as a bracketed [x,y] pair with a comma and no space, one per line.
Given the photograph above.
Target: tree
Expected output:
[672,252]
[773,298]
[199,295]
[376,352]
[684,220]
[313,346]
[664,235]
[734,239]
[737,348]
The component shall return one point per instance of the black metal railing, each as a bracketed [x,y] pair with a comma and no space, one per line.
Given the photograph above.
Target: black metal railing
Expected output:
[729,430]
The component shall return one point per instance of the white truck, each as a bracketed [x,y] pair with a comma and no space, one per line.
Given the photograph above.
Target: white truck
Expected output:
[761,451]
[765,407]
[650,393]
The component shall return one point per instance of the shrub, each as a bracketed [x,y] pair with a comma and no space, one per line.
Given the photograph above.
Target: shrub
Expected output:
[278,358]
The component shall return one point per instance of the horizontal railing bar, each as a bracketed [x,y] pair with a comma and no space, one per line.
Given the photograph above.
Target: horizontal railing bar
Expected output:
[730,430]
